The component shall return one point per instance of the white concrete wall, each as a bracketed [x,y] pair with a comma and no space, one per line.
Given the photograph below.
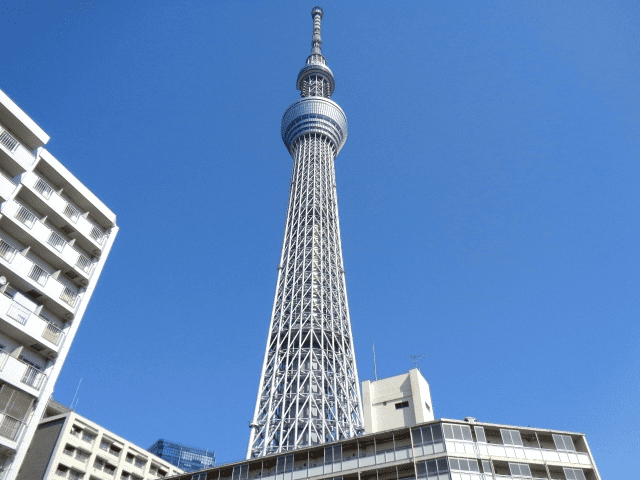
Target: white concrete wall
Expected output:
[383,397]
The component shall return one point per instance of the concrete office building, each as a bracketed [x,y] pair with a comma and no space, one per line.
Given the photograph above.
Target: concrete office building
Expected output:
[55,236]
[69,446]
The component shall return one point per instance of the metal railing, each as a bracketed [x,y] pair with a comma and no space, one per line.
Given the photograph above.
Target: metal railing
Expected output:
[8,141]
[52,333]
[97,234]
[19,313]
[69,297]
[38,274]
[84,263]
[6,251]
[10,427]
[56,241]
[25,216]
[32,376]
[43,188]
[71,212]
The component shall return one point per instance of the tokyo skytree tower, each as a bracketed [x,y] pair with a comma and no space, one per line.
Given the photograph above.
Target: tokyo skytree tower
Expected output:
[309,390]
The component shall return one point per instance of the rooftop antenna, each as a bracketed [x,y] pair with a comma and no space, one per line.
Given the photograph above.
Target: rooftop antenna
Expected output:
[74,402]
[416,358]
[375,368]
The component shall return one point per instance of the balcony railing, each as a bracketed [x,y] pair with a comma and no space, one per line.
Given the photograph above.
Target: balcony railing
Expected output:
[69,297]
[38,274]
[52,333]
[6,251]
[10,427]
[19,313]
[56,241]
[25,216]
[20,372]
[19,151]
[43,188]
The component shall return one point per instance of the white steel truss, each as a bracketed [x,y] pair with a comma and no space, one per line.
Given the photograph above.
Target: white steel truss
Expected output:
[309,390]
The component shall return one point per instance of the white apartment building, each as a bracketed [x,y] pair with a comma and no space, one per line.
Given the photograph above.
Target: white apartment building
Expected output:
[69,446]
[55,236]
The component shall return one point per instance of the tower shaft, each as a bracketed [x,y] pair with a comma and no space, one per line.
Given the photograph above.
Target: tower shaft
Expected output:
[309,392]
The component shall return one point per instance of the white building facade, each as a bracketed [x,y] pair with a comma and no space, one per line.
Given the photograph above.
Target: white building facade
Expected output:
[69,446]
[394,402]
[55,236]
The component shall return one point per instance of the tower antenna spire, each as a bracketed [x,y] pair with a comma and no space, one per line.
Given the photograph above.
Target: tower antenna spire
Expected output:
[316,40]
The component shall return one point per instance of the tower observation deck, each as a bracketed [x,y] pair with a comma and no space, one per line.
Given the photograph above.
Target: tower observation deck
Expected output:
[309,389]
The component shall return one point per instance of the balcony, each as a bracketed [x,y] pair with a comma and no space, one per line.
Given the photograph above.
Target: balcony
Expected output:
[51,246]
[21,374]
[7,187]
[513,452]
[30,329]
[30,277]
[15,157]
[64,214]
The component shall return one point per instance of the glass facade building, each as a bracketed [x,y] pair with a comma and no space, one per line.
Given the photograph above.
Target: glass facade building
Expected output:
[187,458]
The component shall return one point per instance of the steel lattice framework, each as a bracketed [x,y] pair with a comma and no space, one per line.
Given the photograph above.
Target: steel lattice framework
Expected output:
[309,389]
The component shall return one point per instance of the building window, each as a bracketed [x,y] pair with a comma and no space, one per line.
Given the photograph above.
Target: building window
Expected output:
[486,467]
[464,464]
[138,462]
[82,456]
[332,454]
[400,405]
[76,431]
[62,470]
[511,437]
[87,437]
[129,458]
[480,436]
[433,469]
[105,445]
[427,435]
[284,464]
[240,472]
[519,470]
[199,476]
[574,474]
[564,442]
[75,475]
[68,450]
[457,432]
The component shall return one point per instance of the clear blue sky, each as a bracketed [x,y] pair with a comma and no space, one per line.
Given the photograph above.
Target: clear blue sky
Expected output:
[489,200]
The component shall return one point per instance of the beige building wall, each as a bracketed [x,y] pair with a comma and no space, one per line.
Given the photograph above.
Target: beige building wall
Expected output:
[394,402]
[70,446]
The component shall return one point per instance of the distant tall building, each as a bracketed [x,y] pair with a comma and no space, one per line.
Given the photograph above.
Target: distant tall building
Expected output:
[55,236]
[184,457]
[309,391]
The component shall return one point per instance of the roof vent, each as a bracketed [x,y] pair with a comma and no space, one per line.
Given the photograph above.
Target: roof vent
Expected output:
[470,419]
